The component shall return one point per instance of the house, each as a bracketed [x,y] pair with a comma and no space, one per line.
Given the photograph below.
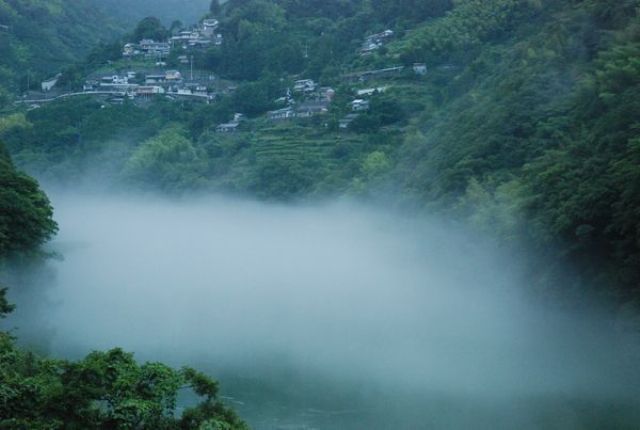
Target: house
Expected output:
[360,105]
[48,84]
[209,26]
[326,93]
[230,127]
[375,41]
[149,90]
[379,38]
[217,40]
[201,90]
[115,79]
[312,108]
[129,50]
[199,42]
[173,75]
[304,86]
[237,117]
[184,36]
[183,59]
[281,114]
[367,92]
[154,79]
[151,48]
[420,69]
[345,122]
[368,48]
[90,85]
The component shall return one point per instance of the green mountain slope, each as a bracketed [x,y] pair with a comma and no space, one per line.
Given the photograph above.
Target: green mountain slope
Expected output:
[38,38]
[131,11]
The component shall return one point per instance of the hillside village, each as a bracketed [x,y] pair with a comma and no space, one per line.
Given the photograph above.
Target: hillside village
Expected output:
[145,73]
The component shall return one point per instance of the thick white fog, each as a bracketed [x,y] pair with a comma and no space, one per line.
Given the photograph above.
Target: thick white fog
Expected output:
[350,295]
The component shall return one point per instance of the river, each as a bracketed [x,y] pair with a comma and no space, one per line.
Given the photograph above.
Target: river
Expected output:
[325,316]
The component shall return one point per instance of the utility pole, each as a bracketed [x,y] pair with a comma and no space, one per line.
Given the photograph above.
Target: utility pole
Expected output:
[192,68]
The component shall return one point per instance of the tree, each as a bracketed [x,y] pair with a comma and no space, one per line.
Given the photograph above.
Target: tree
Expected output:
[26,216]
[5,306]
[150,28]
[168,161]
[176,26]
[104,390]
[214,7]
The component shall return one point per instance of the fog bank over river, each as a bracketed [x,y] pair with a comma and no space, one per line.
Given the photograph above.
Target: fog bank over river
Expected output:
[325,316]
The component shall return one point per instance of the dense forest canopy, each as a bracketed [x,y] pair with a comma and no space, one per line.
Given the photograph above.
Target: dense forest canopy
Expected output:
[131,11]
[38,38]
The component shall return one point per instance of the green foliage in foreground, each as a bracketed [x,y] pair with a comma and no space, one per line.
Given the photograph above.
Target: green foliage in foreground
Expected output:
[106,390]
[26,216]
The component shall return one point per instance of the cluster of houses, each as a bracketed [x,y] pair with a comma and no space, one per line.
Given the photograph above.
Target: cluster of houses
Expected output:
[315,101]
[375,41]
[169,82]
[148,48]
[201,36]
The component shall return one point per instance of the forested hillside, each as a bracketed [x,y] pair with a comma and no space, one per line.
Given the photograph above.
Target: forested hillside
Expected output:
[38,38]
[131,11]
[526,121]
[540,125]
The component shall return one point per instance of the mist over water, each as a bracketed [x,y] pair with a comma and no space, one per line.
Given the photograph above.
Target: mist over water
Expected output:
[327,316]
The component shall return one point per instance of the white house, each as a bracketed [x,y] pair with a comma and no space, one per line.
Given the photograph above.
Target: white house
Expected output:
[149,90]
[366,92]
[312,108]
[420,69]
[281,114]
[359,105]
[172,75]
[129,50]
[304,86]
[50,83]
[209,26]
[153,48]
[230,127]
